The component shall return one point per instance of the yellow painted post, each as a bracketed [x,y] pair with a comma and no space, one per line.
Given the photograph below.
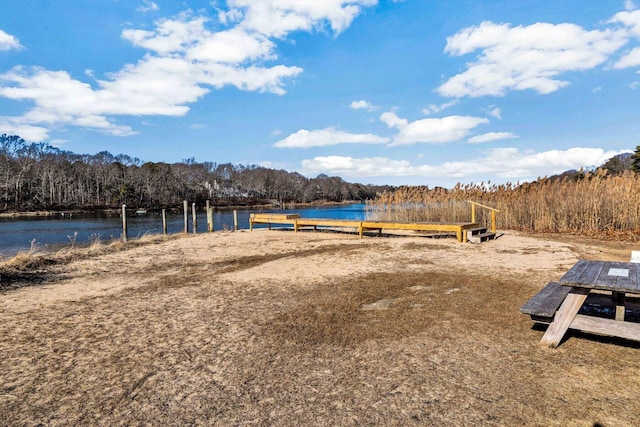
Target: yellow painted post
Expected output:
[493,221]
[251,222]
[360,230]
[235,220]
[473,212]
[295,226]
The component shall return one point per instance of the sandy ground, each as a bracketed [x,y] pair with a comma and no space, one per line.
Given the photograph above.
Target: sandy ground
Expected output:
[281,328]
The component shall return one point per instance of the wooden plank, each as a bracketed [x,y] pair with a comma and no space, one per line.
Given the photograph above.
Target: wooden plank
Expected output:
[612,275]
[268,216]
[572,275]
[606,327]
[604,275]
[546,302]
[567,311]
[590,274]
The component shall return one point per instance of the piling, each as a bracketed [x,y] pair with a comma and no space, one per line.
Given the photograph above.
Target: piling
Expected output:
[124,223]
[164,222]
[186,216]
[195,220]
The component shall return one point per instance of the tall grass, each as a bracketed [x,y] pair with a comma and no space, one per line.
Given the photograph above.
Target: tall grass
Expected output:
[592,203]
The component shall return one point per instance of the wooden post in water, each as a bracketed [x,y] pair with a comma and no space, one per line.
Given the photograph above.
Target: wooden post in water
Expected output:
[186,216]
[195,220]
[164,222]
[235,220]
[124,223]
[209,218]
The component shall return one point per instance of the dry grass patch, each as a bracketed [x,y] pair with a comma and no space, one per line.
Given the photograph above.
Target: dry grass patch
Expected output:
[380,306]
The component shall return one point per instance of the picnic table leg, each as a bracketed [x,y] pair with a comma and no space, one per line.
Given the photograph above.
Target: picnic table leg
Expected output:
[564,316]
[619,299]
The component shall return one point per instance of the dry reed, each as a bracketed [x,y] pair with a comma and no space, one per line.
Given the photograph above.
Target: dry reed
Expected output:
[593,203]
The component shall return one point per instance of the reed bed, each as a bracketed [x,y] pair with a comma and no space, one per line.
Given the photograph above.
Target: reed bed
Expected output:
[594,203]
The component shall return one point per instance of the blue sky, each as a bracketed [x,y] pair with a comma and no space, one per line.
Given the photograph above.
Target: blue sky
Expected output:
[421,92]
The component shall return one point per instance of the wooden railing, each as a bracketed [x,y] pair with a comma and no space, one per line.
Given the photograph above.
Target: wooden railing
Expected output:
[493,213]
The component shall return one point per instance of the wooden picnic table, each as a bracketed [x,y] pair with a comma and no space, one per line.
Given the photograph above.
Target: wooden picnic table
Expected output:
[619,278]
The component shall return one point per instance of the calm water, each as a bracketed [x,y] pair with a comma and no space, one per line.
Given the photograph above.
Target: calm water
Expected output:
[52,232]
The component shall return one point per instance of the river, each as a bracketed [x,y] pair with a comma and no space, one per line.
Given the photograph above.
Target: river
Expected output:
[53,232]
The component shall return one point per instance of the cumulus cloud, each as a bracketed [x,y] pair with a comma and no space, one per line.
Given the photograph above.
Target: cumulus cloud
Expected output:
[504,163]
[432,130]
[631,59]
[491,136]
[12,126]
[184,60]
[8,42]
[526,57]
[326,137]
[277,18]
[362,104]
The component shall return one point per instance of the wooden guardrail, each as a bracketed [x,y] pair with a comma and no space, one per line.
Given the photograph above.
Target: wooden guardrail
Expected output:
[459,228]
[493,213]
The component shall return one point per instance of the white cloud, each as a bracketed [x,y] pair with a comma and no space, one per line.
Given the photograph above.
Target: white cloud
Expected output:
[631,59]
[531,57]
[629,5]
[596,89]
[184,60]
[491,136]
[362,104]
[10,126]
[58,142]
[433,131]
[634,85]
[630,19]
[277,18]
[495,112]
[148,6]
[504,163]
[326,137]
[436,108]
[8,42]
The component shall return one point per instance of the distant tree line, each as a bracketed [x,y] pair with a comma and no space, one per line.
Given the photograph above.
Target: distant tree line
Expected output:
[38,176]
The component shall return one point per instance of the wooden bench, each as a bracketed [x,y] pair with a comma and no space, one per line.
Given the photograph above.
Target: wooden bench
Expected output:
[542,307]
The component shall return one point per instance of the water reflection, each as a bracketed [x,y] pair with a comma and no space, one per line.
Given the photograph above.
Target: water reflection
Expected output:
[81,229]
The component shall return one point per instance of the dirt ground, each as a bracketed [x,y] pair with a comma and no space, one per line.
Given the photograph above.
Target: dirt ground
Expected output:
[275,328]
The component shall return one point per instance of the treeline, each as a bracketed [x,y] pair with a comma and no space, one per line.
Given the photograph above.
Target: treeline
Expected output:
[38,176]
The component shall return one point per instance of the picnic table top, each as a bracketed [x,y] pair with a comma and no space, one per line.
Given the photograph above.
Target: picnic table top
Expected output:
[605,275]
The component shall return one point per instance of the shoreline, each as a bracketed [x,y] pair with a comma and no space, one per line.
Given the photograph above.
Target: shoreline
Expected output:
[70,212]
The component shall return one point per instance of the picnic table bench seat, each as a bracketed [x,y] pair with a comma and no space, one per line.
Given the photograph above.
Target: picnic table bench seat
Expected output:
[542,307]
